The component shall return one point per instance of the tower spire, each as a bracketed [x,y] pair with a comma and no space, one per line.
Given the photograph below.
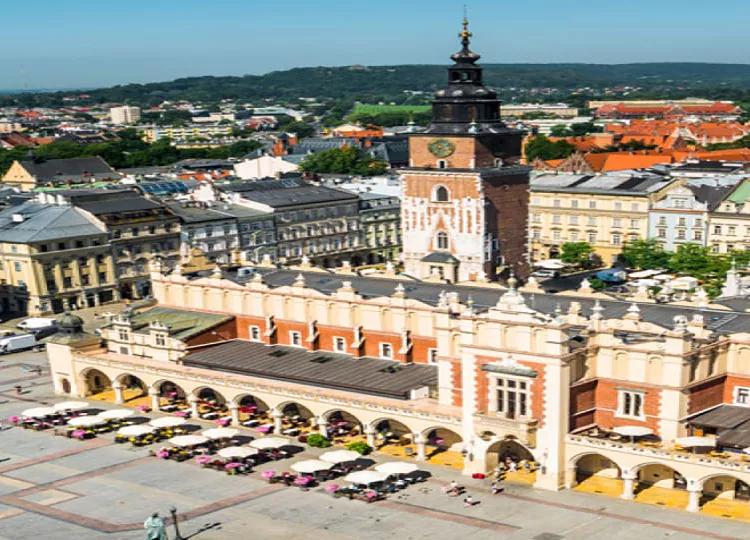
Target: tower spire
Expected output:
[465,35]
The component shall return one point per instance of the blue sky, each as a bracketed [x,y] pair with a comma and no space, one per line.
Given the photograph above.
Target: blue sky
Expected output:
[87,43]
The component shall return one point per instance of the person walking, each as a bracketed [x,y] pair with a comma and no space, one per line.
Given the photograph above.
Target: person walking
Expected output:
[155,527]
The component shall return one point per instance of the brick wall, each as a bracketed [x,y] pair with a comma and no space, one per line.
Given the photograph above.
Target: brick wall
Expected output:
[222,332]
[706,395]
[606,403]
[731,382]
[582,404]
[507,218]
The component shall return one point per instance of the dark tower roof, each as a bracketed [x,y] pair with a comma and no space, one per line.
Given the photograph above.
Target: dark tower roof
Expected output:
[466,105]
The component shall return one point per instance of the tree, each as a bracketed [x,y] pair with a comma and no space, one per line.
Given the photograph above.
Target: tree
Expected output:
[697,261]
[540,147]
[577,253]
[346,160]
[560,130]
[302,129]
[644,255]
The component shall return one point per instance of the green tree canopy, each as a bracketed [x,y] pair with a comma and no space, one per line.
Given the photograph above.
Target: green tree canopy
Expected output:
[540,147]
[346,160]
[644,255]
[578,253]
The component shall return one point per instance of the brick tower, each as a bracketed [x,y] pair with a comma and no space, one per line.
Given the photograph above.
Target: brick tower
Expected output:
[465,196]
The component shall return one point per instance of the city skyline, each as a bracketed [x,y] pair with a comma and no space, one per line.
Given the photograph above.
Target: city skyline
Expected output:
[158,43]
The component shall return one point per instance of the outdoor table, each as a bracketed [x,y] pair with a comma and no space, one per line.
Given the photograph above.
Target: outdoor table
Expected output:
[291,431]
[169,408]
[210,415]
[251,423]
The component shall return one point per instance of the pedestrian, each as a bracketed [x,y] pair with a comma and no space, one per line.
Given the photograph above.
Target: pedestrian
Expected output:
[496,487]
[469,501]
[18,388]
[155,527]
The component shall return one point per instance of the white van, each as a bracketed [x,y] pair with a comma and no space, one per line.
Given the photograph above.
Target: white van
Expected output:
[21,342]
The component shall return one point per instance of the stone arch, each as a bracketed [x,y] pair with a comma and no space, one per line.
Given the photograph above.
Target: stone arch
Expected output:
[343,423]
[251,400]
[169,389]
[128,380]
[207,393]
[722,485]
[95,381]
[590,464]
[508,447]
[384,425]
[443,438]
[657,474]
[440,193]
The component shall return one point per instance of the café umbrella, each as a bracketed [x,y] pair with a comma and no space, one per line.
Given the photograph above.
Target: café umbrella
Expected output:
[167,422]
[269,443]
[237,452]
[310,466]
[38,412]
[366,477]
[86,421]
[633,431]
[340,456]
[220,433]
[396,467]
[135,431]
[116,414]
[70,406]
[187,440]
[696,442]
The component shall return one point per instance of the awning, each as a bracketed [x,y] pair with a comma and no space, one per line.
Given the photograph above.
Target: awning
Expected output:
[722,417]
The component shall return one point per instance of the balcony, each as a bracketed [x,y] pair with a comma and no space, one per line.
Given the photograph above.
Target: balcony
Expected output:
[523,429]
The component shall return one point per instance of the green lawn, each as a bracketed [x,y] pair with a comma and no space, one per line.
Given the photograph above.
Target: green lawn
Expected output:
[369,108]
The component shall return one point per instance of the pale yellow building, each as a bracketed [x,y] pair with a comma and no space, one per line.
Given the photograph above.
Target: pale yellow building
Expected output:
[605,211]
[729,222]
[53,257]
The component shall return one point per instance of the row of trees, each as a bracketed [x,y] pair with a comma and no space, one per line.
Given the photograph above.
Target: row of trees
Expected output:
[128,151]
[540,147]
[346,160]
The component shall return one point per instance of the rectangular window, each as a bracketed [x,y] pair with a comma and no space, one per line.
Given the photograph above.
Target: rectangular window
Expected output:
[573,220]
[592,204]
[717,229]
[630,403]
[616,239]
[556,203]
[592,221]
[254,333]
[556,235]
[617,222]
[339,344]
[661,233]
[741,395]
[574,203]
[17,266]
[591,237]
[161,340]
[386,351]
[432,356]
[634,207]
[618,206]
[556,219]
[698,235]
[681,222]
[681,234]
[512,398]
[295,338]
[123,335]
[634,223]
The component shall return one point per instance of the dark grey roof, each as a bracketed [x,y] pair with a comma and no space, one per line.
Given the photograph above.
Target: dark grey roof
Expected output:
[100,202]
[37,222]
[440,257]
[287,192]
[320,144]
[709,194]
[394,152]
[722,417]
[60,170]
[315,368]
[221,211]
[722,322]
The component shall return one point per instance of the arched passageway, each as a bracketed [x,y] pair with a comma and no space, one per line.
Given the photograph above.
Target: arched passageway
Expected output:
[513,459]
[210,404]
[252,411]
[443,447]
[96,383]
[172,397]
[343,427]
[656,483]
[595,473]
[725,496]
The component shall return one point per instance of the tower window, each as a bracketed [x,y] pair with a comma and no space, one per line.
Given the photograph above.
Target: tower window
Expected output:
[441,194]
[442,240]
[442,164]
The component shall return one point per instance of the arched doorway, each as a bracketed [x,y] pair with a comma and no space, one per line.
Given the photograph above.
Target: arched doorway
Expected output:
[98,385]
[252,411]
[443,447]
[595,473]
[344,428]
[171,396]
[725,496]
[394,438]
[134,390]
[211,404]
[65,385]
[660,484]
[515,460]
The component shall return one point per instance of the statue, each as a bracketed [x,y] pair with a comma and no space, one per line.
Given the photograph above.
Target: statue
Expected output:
[155,527]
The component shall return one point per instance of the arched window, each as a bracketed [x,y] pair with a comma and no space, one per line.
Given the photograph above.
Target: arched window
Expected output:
[442,240]
[441,194]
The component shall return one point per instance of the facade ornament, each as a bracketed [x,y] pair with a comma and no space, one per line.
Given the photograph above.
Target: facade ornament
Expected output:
[597,312]
[442,300]
[400,292]
[305,262]
[634,312]
[680,323]
[216,273]
[299,281]
[585,287]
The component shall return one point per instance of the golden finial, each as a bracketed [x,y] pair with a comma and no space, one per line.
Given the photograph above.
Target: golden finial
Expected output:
[465,34]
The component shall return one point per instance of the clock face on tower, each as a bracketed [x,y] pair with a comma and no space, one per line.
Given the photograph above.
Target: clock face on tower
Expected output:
[441,148]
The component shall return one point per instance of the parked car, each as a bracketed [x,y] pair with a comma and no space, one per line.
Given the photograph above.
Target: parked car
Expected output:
[33,323]
[45,331]
[21,342]
[546,273]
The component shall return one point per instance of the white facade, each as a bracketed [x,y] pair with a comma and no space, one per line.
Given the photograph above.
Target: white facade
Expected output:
[125,115]
[263,167]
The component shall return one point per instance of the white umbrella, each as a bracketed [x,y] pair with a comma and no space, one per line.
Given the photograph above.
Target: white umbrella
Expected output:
[696,442]
[187,440]
[39,412]
[135,431]
[633,431]
[311,466]
[268,443]
[746,450]
[86,421]
[237,452]
[167,421]
[366,477]
[340,456]
[396,467]
[70,406]
[220,433]
[116,414]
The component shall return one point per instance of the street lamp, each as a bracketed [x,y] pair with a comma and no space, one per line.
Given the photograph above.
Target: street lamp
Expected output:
[177,535]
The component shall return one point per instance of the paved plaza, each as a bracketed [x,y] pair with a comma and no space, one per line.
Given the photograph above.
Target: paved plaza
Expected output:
[57,488]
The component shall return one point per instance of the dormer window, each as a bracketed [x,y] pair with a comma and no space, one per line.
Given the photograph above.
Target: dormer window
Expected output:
[441,194]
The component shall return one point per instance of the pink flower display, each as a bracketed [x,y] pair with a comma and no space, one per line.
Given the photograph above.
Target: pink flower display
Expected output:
[203,460]
[78,434]
[302,481]
[332,488]
[232,466]
[268,474]
[14,419]
[181,414]
[162,454]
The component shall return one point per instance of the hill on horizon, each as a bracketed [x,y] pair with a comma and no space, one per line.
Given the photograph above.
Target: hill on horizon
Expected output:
[666,79]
